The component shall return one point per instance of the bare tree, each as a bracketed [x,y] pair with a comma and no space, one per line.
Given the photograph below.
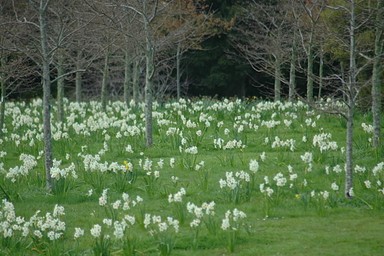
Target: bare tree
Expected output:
[377,73]
[308,14]
[346,35]
[46,59]
[263,39]
[40,42]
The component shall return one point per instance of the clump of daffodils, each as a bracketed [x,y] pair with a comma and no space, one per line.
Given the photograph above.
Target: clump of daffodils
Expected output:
[232,223]
[29,162]
[233,220]
[236,186]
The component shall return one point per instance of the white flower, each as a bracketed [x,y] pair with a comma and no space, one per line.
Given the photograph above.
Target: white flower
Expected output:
[90,192]
[209,208]
[172,162]
[147,220]
[378,168]
[367,184]
[163,226]
[337,169]
[118,229]
[129,149]
[38,233]
[147,165]
[269,191]
[104,198]
[191,150]
[280,179]
[96,231]
[261,187]
[222,183]
[368,128]
[325,194]
[107,222]
[174,223]
[225,224]
[253,165]
[116,205]
[307,157]
[130,219]
[262,157]
[195,223]
[334,186]
[78,233]
[58,211]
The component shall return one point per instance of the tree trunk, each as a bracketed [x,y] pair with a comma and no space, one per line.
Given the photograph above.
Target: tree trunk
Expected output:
[277,87]
[342,71]
[46,93]
[104,83]
[377,74]
[292,70]
[60,86]
[127,77]
[351,94]
[321,73]
[135,80]
[178,57]
[310,69]
[3,97]
[78,79]
[149,73]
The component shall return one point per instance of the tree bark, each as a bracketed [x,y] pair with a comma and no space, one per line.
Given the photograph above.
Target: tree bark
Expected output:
[2,97]
[310,69]
[135,81]
[127,77]
[351,94]
[149,74]
[377,74]
[292,70]
[78,78]
[104,83]
[60,86]
[178,57]
[277,86]
[46,81]
[342,73]
[321,74]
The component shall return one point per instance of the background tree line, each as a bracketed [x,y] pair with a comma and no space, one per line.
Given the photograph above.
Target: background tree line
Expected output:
[269,49]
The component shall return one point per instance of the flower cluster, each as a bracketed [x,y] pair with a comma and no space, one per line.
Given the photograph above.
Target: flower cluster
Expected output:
[10,224]
[253,166]
[57,173]
[236,186]
[154,224]
[308,159]
[29,162]
[368,128]
[178,197]
[234,181]
[323,142]
[232,219]
[206,209]
[49,226]
[289,143]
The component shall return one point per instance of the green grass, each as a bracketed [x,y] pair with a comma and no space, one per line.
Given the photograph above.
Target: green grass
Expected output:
[290,222]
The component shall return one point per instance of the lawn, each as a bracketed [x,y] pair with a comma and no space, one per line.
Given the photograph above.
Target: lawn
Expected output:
[225,177]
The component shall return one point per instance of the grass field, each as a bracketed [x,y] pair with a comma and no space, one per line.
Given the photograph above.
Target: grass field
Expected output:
[223,177]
